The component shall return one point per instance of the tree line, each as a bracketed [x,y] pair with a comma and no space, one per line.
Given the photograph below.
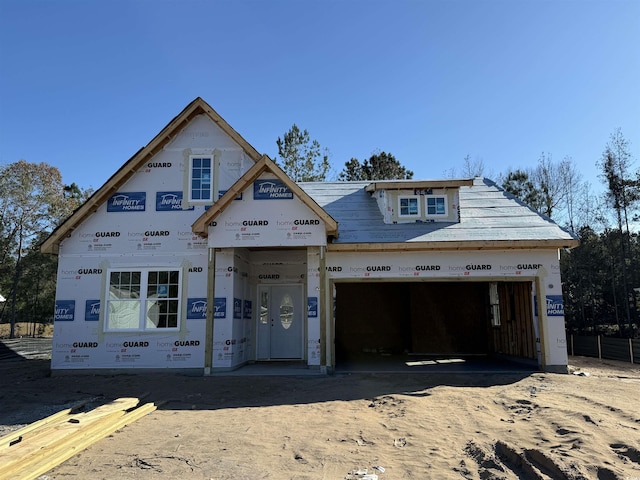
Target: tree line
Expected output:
[601,277]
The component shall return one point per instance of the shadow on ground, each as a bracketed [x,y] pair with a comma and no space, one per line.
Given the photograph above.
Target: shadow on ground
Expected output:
[29,392]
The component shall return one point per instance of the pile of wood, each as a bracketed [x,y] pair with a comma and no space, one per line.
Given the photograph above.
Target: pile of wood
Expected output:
[37,448]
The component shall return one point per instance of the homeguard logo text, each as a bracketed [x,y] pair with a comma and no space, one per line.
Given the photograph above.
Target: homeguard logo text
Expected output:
[127,202]
[135,344]
[84,344]
[89,271]
[298,222]
[156,233]
[107,234]
[169,202]
[529,266]
[478,267]
[378,268]
[427,267]
[255,223]
[271,190]
[124,345]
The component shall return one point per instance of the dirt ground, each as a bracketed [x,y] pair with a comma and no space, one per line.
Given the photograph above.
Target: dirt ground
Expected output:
[480,426]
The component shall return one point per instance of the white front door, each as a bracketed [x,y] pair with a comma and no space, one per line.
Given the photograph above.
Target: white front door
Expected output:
[280,323]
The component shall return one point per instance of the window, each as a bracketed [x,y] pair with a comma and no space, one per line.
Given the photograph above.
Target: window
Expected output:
[494,301]
[436,205]
[143,299]
[200,178]
[286,311]
[409,207]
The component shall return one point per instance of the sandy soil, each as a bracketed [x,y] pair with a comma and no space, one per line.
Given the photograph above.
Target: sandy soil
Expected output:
[528,426]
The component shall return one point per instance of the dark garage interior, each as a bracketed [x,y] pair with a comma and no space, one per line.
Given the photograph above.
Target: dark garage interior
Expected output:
[386,319]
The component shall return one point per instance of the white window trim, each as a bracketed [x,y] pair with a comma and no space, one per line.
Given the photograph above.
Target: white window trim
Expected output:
[144,279]
[410,215]
[437,215]
[214,180]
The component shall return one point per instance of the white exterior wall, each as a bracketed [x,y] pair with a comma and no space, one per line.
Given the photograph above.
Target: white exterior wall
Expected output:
[387,201]
[525,265]
[142,238]
[254,220]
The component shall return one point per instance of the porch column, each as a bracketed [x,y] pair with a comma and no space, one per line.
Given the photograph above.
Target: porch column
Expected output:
[211,279]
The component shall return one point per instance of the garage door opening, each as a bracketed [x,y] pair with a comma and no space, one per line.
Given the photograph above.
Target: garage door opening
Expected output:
[432,320]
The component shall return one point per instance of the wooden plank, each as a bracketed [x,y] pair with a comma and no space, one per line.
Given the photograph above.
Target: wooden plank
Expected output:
[54,433]
[124,403]
[49,443]
[19,435]
[38,468]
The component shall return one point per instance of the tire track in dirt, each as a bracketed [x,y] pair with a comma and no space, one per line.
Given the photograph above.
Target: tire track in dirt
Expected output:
[571,444]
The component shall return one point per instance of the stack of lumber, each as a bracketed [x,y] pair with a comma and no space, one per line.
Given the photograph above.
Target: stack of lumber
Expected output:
[37,448]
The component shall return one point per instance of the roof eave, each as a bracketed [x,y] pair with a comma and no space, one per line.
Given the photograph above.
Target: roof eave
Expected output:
[453,245]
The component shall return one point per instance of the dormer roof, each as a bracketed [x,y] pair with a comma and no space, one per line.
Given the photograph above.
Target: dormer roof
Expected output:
[265,164]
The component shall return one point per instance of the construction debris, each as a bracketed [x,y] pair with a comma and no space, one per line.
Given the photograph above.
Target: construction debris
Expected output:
[37,448]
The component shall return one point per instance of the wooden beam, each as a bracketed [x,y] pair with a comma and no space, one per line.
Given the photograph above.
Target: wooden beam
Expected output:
[50,441]
[18,436]
[45,464]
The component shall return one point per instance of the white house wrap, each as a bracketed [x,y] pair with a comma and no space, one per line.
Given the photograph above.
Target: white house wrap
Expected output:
[201,254]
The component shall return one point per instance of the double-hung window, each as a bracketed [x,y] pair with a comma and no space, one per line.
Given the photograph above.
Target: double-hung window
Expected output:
[436,205]
[143,299]
[409,206]
[201,170]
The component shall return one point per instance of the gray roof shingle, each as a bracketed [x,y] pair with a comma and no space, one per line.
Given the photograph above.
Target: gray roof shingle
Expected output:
[487,214]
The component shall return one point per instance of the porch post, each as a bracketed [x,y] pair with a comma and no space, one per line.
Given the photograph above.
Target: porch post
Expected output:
[323,310]
[542,319]
[211,280]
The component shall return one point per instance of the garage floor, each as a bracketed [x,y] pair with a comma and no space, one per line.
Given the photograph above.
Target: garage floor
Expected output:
[25,349]
[431,364]
[401,364]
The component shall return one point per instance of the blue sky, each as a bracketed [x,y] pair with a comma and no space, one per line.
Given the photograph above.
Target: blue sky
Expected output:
[85,84]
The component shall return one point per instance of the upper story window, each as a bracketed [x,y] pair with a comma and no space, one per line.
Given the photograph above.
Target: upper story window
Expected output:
[201,170]
[409,206]
[143,299]
[436,205]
